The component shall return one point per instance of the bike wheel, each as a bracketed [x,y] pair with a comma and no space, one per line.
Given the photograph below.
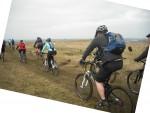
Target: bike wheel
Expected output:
[119,101]
[2,57]
[134,81]
[21,57]
[45,65]
[55,70]
[83,86]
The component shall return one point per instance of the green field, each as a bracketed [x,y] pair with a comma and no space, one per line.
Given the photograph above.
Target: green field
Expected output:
[31,79]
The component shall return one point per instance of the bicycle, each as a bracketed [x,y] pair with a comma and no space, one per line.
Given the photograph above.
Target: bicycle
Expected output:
[118,98]
[134,79]
[23,58]
[54,67]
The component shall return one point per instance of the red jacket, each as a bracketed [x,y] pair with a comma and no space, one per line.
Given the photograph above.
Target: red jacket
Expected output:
[21,46]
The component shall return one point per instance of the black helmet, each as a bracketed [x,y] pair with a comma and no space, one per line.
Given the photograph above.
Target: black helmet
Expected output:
[21,40]
[38,38]
[48,40]
[148,36]
[102,28]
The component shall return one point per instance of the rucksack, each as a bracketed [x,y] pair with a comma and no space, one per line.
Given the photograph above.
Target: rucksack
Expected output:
[116,43]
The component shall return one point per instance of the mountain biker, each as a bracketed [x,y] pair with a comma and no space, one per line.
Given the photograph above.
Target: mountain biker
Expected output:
[3,48]
[13,43]
[111,62]
[50,50]
[144,54]
[21,47]
[38,45]
[9,42]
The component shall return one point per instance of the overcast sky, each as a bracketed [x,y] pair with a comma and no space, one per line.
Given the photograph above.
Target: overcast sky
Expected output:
[74,19]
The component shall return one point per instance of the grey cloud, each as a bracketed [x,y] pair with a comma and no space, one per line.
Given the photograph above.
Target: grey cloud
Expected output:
[74,18]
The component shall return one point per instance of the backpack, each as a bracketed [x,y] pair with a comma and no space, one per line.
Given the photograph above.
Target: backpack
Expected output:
[116,44]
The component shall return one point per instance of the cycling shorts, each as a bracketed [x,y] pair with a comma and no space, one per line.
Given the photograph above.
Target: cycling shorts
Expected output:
[107,69]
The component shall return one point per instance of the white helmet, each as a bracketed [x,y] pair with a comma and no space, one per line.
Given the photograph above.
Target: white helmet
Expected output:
[102,28]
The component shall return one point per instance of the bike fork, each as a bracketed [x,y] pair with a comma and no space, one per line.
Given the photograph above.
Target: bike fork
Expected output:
[84,82]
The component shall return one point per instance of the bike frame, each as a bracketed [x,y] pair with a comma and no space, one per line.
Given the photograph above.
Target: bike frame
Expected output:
[52,62]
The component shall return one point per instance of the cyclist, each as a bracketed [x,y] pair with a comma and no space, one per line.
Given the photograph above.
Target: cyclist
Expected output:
[3,48]
[21,47]
[111,62]
[144,54]
[9,43]
[13,43]
[50,50]
[38,45]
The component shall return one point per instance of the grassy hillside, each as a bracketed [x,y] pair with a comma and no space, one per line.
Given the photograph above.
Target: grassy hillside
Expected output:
[31,79]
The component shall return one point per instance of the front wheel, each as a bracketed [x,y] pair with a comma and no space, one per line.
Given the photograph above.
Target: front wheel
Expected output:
[23,58]
[119,101]
[134,81]
[83,86]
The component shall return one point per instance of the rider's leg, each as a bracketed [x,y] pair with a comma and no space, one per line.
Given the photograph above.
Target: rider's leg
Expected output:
[52,59]
[101,90]
[100,78]
[20,55]
[104,74]
[25,57]
[49,59]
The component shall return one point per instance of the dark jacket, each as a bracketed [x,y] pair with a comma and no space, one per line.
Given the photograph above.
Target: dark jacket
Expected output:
[143,55]
[99,42]
[38,41]
[3,47]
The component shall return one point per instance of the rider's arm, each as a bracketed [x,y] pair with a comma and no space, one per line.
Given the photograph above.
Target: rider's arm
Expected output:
[43,49]
[35,44]
[90,48]
[143,55]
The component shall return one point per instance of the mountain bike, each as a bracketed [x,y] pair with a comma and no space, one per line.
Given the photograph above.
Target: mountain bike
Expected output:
[22,56]
[118,98]
[134,79]
[54,67]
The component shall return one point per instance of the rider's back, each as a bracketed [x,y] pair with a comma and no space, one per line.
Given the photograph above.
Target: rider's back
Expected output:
[100,41]
[48,46]
[21,46]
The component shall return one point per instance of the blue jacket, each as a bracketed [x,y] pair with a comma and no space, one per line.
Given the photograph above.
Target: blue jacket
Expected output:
[48,46]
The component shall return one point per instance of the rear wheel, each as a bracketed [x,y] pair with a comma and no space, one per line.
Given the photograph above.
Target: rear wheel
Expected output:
[45,65]
[119,101]
[2,57]
[83,86]
[134,81]
[55,69]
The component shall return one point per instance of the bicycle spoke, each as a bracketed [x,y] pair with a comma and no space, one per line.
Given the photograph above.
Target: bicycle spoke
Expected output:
[134,81]
[83,86]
